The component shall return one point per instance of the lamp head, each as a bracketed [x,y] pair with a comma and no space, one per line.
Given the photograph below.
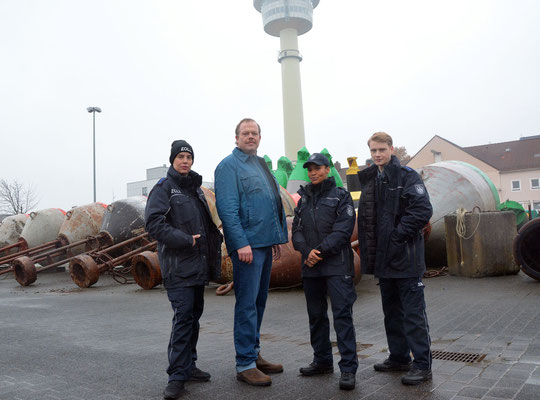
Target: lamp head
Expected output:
[93,109]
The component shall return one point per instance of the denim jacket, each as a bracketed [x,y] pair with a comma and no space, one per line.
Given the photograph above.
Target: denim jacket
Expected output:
[249,207]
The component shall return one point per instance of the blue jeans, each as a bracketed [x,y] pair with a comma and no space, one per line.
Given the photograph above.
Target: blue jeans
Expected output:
[251,282]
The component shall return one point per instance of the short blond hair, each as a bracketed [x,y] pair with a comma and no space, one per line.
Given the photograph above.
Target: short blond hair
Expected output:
[381,137]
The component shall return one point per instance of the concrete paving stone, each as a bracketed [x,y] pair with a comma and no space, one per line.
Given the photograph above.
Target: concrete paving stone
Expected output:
[506,393]
[473,391]
[528,392]
[121,352]
[449,367]
[483,382]
[451,386]
[530,359]
[491,374]
[517,374]
[524,367]
[533,380]
[510,382]
[495,398]
[441,395]
[463,378]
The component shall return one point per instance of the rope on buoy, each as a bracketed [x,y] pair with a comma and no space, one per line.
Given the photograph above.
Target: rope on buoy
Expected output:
[461,229]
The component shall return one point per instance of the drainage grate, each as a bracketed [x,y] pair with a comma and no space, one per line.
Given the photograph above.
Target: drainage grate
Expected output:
[459,357]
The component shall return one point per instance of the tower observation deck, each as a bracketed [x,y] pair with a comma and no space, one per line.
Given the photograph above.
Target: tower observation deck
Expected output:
[287,19]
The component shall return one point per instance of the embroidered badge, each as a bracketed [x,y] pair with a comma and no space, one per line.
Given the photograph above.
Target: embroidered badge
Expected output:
[420,189]
[350,211]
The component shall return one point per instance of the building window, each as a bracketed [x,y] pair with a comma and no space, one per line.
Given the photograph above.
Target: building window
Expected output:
[145,191]
[536,205]
[516,186]
[535,183]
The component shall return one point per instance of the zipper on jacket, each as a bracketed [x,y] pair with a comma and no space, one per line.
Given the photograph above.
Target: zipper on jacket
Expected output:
[277,218]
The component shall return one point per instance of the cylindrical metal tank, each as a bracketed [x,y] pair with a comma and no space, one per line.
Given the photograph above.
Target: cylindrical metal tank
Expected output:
[80,223]
[11,229]
[527,248]
[124,218]
[43,226]
[452,185]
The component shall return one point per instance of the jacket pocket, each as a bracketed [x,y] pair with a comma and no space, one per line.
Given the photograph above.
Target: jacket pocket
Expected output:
[181,263]
[399,255]
[251,183]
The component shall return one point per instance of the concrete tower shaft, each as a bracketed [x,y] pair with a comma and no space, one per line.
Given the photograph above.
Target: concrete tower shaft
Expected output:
[287,19]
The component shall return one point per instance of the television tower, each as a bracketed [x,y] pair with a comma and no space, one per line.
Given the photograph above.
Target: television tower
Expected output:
[287,19]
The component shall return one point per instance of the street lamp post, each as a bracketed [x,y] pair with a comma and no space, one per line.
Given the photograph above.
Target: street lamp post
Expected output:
[93,110]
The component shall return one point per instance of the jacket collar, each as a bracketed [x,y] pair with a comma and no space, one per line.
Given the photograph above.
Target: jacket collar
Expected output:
[192,179]
[325,186]
[241,155]
[391,170]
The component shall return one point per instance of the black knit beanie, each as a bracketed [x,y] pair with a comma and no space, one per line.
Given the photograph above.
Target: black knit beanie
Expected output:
[179,146]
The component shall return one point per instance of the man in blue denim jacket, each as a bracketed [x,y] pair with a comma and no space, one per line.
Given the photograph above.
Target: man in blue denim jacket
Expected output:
[250,208]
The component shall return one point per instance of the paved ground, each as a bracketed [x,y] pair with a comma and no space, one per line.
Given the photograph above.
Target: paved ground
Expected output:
[109,342]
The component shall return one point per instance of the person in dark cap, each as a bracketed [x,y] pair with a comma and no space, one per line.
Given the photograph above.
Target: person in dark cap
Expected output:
[322,227]
[189,250]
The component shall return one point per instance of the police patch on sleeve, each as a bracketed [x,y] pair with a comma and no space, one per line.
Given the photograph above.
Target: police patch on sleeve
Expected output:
[350,211]
[420,189]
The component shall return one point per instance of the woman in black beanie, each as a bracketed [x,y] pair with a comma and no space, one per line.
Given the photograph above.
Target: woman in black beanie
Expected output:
[189,250]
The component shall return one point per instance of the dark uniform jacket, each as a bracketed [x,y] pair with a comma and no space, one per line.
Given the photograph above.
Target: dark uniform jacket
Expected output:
[391,214]
[324,220]
[176,210]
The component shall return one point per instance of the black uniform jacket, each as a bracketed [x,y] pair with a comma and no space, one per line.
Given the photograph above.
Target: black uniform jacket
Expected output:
[176,209]
[324,220]
[391,215]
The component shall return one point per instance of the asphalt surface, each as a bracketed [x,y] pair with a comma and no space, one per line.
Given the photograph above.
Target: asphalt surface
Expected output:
[109,342]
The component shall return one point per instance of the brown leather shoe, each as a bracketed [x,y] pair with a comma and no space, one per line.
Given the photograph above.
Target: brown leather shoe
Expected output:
[268,367]
[254,377]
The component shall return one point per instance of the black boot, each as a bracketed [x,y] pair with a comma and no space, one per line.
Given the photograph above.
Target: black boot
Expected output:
[347,381]
[316,369]
[390,366]
[198,375]
[174,390]
[416,376]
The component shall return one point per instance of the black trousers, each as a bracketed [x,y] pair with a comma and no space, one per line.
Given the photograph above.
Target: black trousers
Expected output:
[405,321]
[187,304]
[342,296]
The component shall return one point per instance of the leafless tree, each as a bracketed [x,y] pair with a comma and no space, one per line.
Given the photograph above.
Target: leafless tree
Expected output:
[15,198]
[401,153]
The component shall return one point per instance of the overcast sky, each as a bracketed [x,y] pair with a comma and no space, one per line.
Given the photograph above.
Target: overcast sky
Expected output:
[467,70]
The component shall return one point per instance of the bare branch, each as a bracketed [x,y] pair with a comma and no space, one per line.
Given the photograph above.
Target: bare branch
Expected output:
[401,153]
[15,198]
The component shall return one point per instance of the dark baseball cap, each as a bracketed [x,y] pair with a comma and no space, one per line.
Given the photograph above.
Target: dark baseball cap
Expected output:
[317,159]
